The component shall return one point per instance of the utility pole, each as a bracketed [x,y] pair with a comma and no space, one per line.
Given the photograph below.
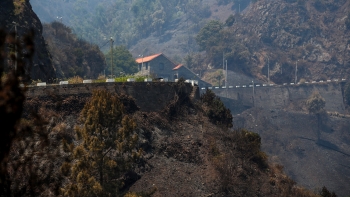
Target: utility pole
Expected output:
[296,71]
[268,70]
[253,94]
[281,68]
[142,64]
[112,56]
[223,61]
[239,7]
[226,75]
[226,80]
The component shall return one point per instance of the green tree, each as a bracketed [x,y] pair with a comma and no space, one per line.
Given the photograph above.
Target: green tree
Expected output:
[209,35]
[230,20]
[106,149]
[122,61]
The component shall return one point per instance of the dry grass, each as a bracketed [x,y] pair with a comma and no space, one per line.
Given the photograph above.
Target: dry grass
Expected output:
[216,78]
[34,82]
[75,80]
[19,6]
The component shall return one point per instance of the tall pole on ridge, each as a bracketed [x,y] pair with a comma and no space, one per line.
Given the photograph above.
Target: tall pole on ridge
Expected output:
[226,79]
[268,69]
[253,94]
[112,56]
[223,61]
[226,75]
[296,70]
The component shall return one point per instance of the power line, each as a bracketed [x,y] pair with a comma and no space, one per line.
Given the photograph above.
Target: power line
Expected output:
[104,44]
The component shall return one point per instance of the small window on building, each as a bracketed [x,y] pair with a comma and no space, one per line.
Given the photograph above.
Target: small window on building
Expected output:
[161,66]
[147,64]
[140,67]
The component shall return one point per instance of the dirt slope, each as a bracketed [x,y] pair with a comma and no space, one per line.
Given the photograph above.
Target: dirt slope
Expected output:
[186,155]
[312,157]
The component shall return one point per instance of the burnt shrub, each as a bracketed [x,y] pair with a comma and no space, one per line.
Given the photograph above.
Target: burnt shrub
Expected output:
[215,109]
[181,102]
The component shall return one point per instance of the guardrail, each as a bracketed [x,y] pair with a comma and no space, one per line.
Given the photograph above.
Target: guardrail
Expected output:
[269,85]
[193,82]
[86,81]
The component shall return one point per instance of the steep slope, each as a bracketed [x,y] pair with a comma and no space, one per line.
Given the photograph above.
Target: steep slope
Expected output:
[284,33]
[21,13]
[71,55]
[310,35]
[126,21]
[312,157]
[185,154]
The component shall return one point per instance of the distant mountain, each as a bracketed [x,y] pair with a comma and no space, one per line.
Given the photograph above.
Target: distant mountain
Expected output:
[311,35]
[22,14]
[126,21]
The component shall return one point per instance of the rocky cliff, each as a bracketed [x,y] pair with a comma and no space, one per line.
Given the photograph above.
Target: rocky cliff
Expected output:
[21,13]
[311,35]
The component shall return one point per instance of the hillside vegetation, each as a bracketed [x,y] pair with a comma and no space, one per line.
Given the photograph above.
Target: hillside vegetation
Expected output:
[126,21]
[310,36]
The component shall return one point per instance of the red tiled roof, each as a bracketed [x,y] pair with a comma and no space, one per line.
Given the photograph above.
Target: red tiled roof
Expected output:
[178,66]
[147,58]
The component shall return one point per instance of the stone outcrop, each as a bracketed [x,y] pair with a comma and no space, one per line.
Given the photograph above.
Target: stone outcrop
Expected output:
[21,13]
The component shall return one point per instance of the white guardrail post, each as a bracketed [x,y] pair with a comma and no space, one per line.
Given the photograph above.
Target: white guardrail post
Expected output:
[41,84]
[87,81]
[64,82]
[110,80]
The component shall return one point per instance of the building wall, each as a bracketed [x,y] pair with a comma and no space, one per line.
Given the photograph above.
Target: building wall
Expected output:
[165,71]
[185,73]
[154,68]
[142,68]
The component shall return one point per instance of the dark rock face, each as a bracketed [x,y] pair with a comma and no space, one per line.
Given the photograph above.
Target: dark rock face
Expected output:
[26,19]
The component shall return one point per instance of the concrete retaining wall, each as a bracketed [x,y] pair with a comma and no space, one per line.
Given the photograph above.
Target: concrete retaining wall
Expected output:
[281,97]
[149,96]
